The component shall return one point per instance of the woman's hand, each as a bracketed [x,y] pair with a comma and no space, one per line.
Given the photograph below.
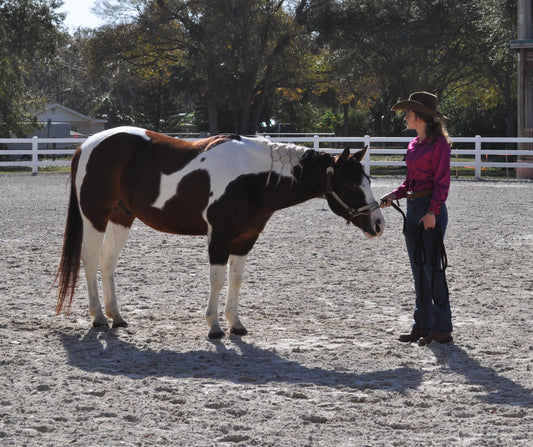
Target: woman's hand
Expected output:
[386,200]
[429,220]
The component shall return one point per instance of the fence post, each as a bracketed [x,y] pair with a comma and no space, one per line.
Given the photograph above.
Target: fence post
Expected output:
[316,142]
[366,161]
[477,164]
[34,155]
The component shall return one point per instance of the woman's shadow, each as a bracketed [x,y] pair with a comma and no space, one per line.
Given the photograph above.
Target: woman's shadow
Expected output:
[232,359]
[491,387]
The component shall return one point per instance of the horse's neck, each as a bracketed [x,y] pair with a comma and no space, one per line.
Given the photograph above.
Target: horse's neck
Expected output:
[314,172]
[307,169]
[284,158]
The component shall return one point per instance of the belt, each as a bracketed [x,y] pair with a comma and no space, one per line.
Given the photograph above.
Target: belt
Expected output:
[412,195]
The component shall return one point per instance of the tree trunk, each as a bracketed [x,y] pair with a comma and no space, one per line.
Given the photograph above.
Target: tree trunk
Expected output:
[346,118]
[212,115]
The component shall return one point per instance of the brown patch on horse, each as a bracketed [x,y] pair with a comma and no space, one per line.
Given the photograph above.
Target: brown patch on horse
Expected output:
[182,214]
[121,215]
[219,139]
[196,146]
[101,190]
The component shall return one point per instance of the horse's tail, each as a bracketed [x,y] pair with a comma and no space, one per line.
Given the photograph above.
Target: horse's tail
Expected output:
[69,266]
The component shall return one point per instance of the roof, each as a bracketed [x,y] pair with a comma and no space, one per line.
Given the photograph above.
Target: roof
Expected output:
[523,44]
[59,113]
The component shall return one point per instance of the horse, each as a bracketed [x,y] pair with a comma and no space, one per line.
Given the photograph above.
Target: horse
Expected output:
[225,186]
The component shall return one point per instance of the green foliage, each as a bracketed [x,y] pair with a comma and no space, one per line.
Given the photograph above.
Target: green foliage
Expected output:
[29,37]
[475,111]
[357,122]
[315,65]
[419,45]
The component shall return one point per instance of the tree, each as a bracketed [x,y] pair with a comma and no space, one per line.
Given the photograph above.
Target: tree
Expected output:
[136,76]
[485,102]
[235,64]
[503,64]
[29,36]
[66,78]
[236,54]
[405,45]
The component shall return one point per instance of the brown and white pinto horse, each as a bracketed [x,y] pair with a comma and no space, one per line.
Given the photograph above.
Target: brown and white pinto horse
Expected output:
[225,187]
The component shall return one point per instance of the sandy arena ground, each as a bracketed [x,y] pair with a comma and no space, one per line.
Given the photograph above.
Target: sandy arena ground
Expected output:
[321,365]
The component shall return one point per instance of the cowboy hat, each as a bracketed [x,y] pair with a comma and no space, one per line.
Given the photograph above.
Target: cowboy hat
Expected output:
[423,102]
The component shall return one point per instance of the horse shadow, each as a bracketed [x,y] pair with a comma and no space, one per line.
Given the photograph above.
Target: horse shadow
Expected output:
[233,360]
[492,388]
[238,361]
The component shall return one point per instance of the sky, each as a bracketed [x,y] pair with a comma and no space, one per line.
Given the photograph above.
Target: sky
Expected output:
[79,14]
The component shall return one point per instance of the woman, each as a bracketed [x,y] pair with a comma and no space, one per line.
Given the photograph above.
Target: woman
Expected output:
[426,188]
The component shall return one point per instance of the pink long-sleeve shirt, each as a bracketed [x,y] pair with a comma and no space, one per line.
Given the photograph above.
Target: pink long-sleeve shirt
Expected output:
[428,167]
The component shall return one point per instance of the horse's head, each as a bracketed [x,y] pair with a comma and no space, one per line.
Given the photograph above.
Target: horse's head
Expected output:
[349,194]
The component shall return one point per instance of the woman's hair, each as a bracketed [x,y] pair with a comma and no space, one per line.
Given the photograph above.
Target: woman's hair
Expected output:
[435,127]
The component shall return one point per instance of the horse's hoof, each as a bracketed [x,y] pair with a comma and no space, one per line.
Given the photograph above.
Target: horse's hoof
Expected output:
[100,325]
[238,331]
[120,324]
[217,335]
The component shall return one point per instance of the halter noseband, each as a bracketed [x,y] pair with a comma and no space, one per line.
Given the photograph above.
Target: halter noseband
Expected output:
[352,212]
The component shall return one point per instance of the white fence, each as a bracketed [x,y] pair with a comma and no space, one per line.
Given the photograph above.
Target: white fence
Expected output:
[473,151]
[464,147]
[41,152]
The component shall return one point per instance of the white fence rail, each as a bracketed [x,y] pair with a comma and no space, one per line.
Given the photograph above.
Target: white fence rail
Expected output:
[40,152]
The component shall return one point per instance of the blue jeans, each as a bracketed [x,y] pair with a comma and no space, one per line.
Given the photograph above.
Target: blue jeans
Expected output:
[432,310]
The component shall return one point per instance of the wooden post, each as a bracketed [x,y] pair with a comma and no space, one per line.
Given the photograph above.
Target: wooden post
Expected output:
[34,155]
[477,157]
[316,142]
[524,47]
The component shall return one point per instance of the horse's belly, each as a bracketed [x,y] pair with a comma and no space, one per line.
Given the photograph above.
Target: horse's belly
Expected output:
[187,223]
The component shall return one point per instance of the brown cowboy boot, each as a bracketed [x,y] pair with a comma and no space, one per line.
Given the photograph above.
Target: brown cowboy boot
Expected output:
[413,336]
[439,337]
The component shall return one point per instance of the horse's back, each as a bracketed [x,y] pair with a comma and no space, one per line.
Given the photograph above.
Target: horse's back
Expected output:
[120,171]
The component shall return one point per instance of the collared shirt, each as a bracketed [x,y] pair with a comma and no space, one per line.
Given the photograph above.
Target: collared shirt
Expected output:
[428,167]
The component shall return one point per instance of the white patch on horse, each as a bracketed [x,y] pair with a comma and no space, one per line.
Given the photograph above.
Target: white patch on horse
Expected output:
[375,215]
[365,185]
[96,139]
[230,160]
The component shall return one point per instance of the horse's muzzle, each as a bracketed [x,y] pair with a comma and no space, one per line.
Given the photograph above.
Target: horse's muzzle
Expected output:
[377,225]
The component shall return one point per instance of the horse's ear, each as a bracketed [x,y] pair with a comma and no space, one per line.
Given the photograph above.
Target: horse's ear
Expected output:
[344,156]
[360,155]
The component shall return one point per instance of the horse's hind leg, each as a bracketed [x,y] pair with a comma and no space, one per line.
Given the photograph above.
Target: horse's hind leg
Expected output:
[90,252]
[217,276]
[115,238]
[236,270]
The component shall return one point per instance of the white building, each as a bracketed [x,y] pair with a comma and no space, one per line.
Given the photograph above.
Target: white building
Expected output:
[79,123]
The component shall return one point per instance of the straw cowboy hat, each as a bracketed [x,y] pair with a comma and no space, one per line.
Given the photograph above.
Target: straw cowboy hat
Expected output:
[423,102]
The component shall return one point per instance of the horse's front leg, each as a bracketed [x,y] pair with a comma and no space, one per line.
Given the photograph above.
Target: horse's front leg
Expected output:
[236,270]
[217,274]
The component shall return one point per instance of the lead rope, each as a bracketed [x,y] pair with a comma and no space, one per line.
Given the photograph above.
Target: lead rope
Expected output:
[420,253]
[439,258]
[396,206]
